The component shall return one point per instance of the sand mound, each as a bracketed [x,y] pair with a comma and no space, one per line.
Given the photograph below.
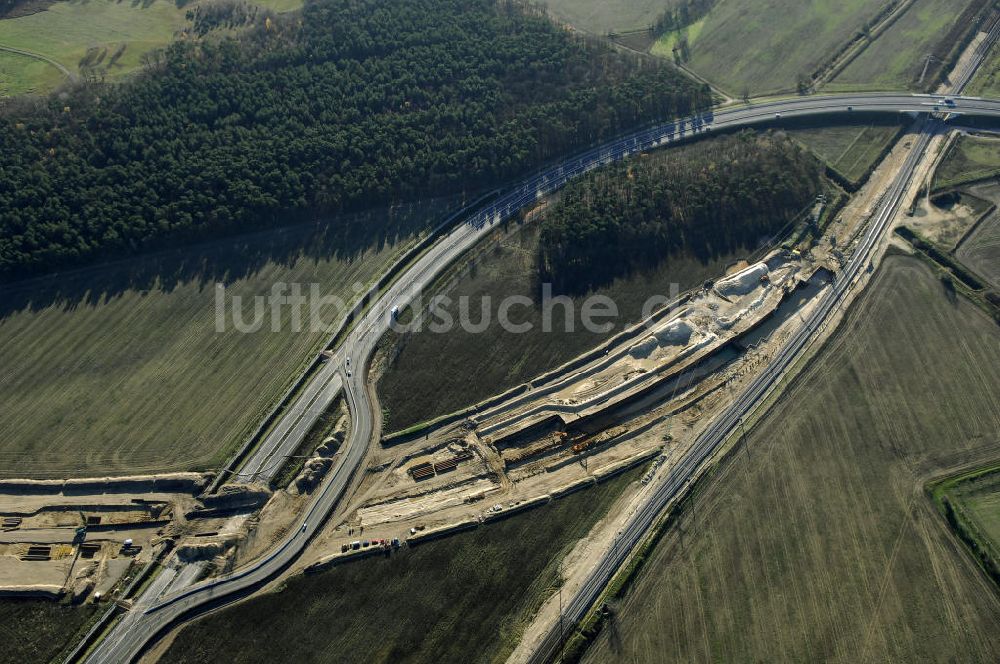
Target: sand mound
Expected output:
[742,282]
[677,333]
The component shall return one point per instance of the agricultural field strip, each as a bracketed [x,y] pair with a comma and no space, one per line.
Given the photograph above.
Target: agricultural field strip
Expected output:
[170,414]
[790,534]
[132,636]
[897,55]
[741,44]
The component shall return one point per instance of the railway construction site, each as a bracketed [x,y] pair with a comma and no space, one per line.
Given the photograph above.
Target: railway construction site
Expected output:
[88,539]
[605,455]
[643,395]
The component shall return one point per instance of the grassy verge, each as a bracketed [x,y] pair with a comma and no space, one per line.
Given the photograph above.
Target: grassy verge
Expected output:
[40,630]
[815,541]
[465,598]
[323,428]
[121,369]
[971,504]
[119,33]
[986,82]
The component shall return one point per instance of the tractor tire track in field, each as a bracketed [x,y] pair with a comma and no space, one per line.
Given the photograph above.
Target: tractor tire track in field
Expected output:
[44,58]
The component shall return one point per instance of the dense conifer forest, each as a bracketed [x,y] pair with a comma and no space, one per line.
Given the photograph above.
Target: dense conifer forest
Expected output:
[349,104]
[729,194]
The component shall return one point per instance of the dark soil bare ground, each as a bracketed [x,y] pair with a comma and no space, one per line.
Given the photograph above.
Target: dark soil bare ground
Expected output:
[38,630]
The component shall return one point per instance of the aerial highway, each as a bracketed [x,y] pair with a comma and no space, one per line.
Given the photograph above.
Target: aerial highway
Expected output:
[346,369]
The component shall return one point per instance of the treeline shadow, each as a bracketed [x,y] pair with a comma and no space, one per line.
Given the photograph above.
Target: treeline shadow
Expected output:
[345,237]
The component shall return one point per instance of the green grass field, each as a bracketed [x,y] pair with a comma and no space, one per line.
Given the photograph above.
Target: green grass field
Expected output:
[664,46]
[970,158]
[603,16]
[120,369]
[895,59]
[984,505]
[67,29]
[851,150]
[22,74]
[463,599]
[817,541]
[37,631]
[766,44]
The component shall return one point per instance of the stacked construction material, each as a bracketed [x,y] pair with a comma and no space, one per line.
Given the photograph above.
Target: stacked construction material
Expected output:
[38,552]
[422,471]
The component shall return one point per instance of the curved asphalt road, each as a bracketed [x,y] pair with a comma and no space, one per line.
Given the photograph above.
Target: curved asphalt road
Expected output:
[147,621]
